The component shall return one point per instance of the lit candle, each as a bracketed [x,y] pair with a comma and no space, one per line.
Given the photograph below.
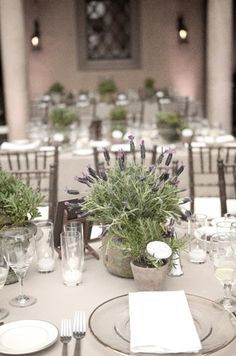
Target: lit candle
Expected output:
[197,255]
[72,277]
[46,264]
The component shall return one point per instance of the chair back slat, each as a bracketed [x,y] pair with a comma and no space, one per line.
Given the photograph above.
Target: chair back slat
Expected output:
[38,169]
[227,184]
[203,171]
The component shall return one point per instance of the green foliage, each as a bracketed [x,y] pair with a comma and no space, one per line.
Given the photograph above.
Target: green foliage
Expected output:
[136,204]
[107,86]
[56,88]
[118,113]
[61,118]
[18,202]
[170,119]
[170,125]
[149,83]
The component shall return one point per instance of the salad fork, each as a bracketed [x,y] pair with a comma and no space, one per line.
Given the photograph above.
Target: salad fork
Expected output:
[65,334]
[79,330]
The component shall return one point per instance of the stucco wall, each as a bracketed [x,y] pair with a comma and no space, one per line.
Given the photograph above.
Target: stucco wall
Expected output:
[179,67]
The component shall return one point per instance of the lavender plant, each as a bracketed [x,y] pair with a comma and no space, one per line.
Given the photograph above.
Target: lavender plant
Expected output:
[137,203]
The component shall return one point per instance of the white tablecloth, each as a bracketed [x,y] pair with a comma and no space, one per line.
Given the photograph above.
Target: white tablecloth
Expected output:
[56,301]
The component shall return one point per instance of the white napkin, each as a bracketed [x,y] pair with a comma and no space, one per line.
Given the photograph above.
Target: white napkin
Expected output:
[161,322]
[20,145]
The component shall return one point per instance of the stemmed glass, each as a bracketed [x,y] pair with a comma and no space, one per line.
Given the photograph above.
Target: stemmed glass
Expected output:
[20,249]
[223,256]
[3,276]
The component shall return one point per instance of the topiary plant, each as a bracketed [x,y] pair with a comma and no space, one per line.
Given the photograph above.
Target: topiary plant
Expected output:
[61,118]
[18,201]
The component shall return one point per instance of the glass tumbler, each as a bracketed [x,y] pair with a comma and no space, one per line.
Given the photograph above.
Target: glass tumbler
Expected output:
[72,253]
[45,252]
[197,245]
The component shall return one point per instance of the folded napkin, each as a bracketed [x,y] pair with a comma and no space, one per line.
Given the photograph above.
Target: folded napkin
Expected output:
[20,145]
[161,322]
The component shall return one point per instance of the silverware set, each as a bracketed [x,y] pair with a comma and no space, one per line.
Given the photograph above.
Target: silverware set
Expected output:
[78,332]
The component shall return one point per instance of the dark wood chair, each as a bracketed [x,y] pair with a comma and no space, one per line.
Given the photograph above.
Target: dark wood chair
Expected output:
[38,169]
[203,171]
[227,186]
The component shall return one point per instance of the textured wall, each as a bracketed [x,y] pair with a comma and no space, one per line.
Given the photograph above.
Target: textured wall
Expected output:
[179,67]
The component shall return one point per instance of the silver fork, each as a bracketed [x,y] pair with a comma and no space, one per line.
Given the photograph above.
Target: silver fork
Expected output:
[79,330]
[65,335]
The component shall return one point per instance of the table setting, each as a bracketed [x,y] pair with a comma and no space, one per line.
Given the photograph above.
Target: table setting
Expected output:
[81,307]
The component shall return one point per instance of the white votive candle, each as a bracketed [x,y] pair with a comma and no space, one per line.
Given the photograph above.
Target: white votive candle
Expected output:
[72,277]
[197,255]
[46,264]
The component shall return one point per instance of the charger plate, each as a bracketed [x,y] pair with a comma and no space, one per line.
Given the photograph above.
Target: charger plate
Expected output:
[26,336]
[109,323]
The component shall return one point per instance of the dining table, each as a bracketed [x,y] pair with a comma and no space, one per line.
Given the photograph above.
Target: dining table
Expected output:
[56,301]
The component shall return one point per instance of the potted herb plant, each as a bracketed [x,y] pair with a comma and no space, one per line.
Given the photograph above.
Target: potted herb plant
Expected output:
[149,87]
[107,89]
[170,125]
[56,91]
[18,205]
[62,121]
[137,204]
[118,120]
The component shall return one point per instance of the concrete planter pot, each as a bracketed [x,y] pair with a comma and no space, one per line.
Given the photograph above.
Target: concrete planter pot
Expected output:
[147,278]
[116,258]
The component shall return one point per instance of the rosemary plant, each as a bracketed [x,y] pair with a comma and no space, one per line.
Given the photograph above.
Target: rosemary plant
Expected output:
[18,202]
[137,203]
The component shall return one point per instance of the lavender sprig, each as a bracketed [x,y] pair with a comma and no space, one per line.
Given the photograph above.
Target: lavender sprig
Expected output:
[121,159]
[92,172]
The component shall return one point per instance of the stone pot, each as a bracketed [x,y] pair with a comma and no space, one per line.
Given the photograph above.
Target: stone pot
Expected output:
[116,258]
[149,278]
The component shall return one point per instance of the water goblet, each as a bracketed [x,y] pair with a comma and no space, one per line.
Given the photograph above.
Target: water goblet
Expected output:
[20,250]
[3,276]
[223,256]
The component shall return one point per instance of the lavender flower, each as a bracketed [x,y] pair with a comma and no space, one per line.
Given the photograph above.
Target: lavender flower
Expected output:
[82,180]
[121,159]
[132,145]
[92,172]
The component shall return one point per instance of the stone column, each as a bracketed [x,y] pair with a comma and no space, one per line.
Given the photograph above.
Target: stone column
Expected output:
[219,63]
[14,66]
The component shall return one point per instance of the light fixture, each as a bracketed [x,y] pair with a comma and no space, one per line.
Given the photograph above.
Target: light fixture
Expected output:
[35,38]
[182,30]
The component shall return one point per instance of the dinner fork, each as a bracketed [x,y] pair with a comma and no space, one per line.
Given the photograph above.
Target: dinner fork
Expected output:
[79,330]
[65,334]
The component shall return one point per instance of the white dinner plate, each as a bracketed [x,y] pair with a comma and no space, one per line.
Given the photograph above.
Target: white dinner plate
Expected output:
[26,336]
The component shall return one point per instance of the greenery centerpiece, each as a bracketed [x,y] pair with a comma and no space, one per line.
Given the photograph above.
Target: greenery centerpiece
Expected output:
[56,91]
[149,87]
[118,120]
[170,125]
[62,121]
[107,89]
[18,206]
[136,203]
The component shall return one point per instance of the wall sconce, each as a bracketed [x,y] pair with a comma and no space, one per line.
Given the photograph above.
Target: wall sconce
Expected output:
[35,38]
[182,30]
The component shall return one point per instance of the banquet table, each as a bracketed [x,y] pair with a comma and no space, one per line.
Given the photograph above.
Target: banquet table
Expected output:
[56,301]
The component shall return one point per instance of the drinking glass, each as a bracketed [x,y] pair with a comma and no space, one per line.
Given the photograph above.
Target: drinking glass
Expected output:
[197,246]
[3,276]
[72,253]
[223,256]
[76,228]
[44,245]
[20,249]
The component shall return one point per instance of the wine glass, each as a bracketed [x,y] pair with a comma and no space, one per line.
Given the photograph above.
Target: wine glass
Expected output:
[3,276]
[223,256]
[20,249]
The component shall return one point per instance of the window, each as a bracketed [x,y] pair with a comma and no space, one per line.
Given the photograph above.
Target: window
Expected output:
[108,34]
